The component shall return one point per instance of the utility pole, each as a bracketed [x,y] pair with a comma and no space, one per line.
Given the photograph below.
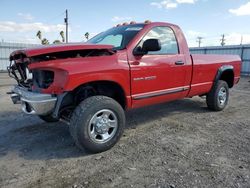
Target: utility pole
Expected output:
[223,40]
[241,40]
[199,41]
[67,25]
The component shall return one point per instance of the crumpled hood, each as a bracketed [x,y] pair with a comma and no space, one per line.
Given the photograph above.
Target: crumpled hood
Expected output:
[46,49]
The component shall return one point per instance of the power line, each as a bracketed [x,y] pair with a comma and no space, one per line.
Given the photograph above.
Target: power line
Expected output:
[52,19]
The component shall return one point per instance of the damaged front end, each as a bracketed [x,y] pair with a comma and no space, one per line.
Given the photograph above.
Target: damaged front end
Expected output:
[26,91]
[33,103]
[41,78]
[18,69]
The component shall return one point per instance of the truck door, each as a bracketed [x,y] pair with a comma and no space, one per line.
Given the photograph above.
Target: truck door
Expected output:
[159,75]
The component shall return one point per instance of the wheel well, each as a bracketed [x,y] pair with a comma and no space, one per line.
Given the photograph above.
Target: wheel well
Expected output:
[105,88]
[228,76]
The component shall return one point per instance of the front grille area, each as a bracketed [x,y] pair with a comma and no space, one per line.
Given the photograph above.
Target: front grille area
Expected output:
[42,78]
[20,73]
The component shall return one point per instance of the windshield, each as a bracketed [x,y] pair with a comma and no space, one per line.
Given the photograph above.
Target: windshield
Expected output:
[119,37]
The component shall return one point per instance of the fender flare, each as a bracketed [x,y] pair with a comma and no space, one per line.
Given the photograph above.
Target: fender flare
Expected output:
[221,70]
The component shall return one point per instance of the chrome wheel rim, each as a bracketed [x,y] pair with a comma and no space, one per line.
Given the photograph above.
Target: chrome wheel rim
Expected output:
[103,126]
[222,96]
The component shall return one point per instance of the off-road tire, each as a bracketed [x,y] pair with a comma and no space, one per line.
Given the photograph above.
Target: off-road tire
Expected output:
[212,98]
[48,118]
[79,123]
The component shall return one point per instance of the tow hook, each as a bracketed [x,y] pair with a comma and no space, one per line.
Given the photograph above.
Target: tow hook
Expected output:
[14,97]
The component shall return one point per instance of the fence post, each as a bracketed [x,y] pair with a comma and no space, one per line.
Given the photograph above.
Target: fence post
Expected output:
[242,53]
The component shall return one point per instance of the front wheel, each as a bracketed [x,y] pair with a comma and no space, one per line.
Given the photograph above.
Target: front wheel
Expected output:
[97,123]
[217,98]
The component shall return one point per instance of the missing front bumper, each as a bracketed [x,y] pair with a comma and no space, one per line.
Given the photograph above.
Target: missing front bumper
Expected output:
[33,103]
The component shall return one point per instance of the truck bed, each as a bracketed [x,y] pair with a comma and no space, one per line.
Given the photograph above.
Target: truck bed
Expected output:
[205,68]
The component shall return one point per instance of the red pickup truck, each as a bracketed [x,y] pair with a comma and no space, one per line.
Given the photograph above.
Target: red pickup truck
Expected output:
[91,85]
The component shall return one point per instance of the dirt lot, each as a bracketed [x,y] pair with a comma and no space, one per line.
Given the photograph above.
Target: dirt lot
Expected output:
[177,144]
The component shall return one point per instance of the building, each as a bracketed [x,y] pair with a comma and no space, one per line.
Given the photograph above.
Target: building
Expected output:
[5,50]
[242,50]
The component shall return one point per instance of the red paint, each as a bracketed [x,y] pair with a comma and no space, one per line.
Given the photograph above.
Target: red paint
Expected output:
[59,48]
[197,74]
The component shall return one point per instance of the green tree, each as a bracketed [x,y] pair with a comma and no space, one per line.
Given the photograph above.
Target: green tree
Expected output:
[86,35]
[62,35]
[57,42]
[39,35]
[44,41]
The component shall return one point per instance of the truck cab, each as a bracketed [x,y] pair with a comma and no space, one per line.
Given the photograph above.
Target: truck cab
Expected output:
[91,85]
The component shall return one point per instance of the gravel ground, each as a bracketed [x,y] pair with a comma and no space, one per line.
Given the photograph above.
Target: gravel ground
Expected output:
[176,144]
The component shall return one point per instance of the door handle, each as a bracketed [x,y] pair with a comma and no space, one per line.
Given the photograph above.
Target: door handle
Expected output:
[179,63]
[135,63]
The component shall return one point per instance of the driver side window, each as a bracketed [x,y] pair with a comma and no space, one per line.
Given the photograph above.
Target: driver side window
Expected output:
[167,39]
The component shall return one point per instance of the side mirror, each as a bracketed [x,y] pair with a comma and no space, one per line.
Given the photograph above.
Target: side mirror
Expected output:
[151,45]
[147,46]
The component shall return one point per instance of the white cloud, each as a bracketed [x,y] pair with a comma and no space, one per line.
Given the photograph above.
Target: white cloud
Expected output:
[9,26]
[158,5]
[230,39]
[233,38]
[28,39]
[120,19]
[243,10]
[170,4]
[186,1]
[26,16]
[192,35]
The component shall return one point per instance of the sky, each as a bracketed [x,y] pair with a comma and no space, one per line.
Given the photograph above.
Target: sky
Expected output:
[209,19]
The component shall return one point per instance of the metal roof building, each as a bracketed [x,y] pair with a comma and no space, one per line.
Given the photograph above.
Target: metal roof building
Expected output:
[242,50]
[5,50]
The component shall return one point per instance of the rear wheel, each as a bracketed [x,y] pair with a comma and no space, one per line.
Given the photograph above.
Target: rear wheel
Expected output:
[217,98]
[48,118]
[97,123]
